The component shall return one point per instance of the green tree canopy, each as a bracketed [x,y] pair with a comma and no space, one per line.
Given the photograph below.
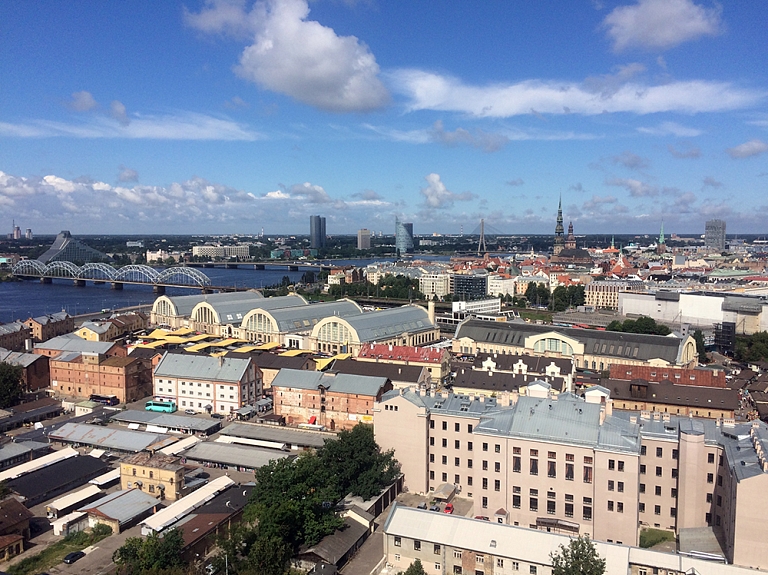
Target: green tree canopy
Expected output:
[140,555]
[415,568]
[752,348]
[579,557]
[10,384]
[643,324]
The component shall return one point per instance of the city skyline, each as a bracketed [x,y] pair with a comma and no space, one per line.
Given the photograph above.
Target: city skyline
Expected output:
[231,116]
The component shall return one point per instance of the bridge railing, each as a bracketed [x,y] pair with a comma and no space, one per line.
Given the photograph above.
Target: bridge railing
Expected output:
[136,273]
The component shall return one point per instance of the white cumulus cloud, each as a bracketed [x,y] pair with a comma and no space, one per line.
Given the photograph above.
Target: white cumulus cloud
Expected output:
[748,149]
[437,196]
[82,102]
[298,57]
[660,24]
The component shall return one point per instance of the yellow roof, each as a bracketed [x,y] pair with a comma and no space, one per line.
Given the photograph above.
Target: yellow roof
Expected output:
[296,352]
[154,344]
[198,347]
[268,345]
[183,331]
[246,348]
[158,334]
[200,337]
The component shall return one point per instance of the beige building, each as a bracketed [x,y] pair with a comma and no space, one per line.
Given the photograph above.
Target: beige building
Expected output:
[575,466]
[605,294]
[159,475]
[98,331]
[435,285]
[589,349]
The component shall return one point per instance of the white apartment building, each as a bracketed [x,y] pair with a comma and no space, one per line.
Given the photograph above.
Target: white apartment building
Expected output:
[501,285]
[435,285]
[204,383]
[241,252]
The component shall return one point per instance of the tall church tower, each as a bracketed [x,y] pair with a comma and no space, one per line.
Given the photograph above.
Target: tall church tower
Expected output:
[559,231]
[662,245]
[570,240]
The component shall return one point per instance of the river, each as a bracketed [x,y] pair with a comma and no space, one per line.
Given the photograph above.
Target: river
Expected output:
[21,300]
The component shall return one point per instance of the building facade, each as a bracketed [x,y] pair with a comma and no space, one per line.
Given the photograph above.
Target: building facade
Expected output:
[86,374]
[363,239]
[45,327]
[404,243]
[159,475]
[605,294]
[317,234]
[207,384]
[714,234]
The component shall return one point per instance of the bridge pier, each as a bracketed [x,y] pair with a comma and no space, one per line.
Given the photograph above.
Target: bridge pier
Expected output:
[117,285]
[208,265]
[46,280]
[79,283]
[205,291]
[159,290]
[258,266]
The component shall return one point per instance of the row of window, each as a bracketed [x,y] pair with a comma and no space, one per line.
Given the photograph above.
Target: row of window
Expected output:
[657,509]
[675,453]
[458,569]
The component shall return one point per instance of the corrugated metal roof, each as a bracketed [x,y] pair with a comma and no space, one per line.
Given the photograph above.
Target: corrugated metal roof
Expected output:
[184,304]
[202,367]
[168,420]
[18,358]
[235,455]
[299,437]
[305,317]
[122,506]
[74,343]
[98,436]
[181,445]
[75,498]
[383,324]
[234,311]
[185,505]
[38,463]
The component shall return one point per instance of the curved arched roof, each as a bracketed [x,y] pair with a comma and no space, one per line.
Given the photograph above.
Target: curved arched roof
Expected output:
[184,304]
[234,311]
[384,324]
[306,317]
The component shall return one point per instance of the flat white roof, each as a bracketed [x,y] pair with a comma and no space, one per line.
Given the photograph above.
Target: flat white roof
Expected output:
[106,478]
[180,445]
[74,498]
[185,505]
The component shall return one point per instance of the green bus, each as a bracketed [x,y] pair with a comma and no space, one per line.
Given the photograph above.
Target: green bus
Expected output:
[161,406]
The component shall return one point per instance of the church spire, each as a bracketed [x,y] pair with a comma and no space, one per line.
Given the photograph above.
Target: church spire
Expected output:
[559,231]
[661,233]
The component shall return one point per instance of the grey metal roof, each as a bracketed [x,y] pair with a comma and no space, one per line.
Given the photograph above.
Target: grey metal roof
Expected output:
[393,372]
[235,310]
[513,333]
[106,438]
[184,304]
[202,367]
[74,343]
[387,323]
[236,455]
[297,437]
[341,383]
[122,506]
[301,318]
[445,402]
[13,327]
[12,450]
[171,421]
[18,358]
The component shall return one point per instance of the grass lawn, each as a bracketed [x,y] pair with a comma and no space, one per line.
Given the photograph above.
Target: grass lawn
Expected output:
[536,314]
[651,537]
[54,554]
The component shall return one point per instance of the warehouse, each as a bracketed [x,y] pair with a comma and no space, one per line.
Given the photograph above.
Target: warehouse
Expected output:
[121,509]
[58,478]
[170,422]
[239,457]
[295,439]
[79,434]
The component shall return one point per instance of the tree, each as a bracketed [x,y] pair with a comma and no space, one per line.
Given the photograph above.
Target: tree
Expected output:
[643,324]
[10,384]
[578,558]
[153,553]
[415,568]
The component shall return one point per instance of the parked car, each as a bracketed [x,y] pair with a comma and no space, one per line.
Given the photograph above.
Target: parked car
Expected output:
[435,508]
[448,508]
[217,416]
[422,505]
[74,556]
[482,517]
[190,412]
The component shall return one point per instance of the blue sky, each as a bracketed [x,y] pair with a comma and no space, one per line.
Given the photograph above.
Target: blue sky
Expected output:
[233,116]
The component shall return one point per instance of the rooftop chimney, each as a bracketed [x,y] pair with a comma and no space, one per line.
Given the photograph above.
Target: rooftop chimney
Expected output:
[431,311]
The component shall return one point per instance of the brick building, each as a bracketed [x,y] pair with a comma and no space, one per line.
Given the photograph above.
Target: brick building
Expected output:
[680,375]
[85,374]
[45,327]
[337,401]
[35,372]
[13,335]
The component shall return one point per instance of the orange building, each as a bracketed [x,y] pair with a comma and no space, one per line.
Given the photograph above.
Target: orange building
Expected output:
[46,327]
[83,375]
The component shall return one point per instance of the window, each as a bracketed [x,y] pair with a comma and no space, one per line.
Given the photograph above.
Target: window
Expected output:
[444,459]
[657,490]
[659,452]
[673,492]
[610,485]
[642,469]
[457,427]
[569,509]
[517,451]
[432,441]
[485,465]
[456,479]
[456,461]
[516,501]
[445,442]
[675,453]
[485,447]
[469,463]
[431,457]
[587,460]
[431,474]
[719,501]
[641,488]
[444,477]
[641,507]
[533,570]
[457,444]
[551,507]
[485,483]
[620,487]
[587,512]
[516,464]
[496,485]
[499,562]
[610,505]
[497,448]
[398,542]
[480,559]
[658,471]
[657,509]
[497,467]
[621,465]
[456,554]
[437,551]
[551,455]
[710,457]
[445,426]
[416,545]
[642,450]
[485,503]
[587,475]
[534,452]
[611,464]
[534,503]
[551,469]
[569,471]
[534,466]
[720,480]
[469,428]
[709,498]
[515,566]
[469,482]
[673,511]
[619,507]
[710,477]
[469,446]
[431,423]
[397,557]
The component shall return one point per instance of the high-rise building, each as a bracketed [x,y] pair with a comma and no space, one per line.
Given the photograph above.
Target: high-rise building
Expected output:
[316,232]
[28,235]
[363,239]
[403,237]
[714,234]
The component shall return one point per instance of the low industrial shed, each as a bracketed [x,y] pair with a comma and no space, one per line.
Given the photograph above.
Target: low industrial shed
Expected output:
[121,509]
[106,438]
[51,481]
[224,455]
